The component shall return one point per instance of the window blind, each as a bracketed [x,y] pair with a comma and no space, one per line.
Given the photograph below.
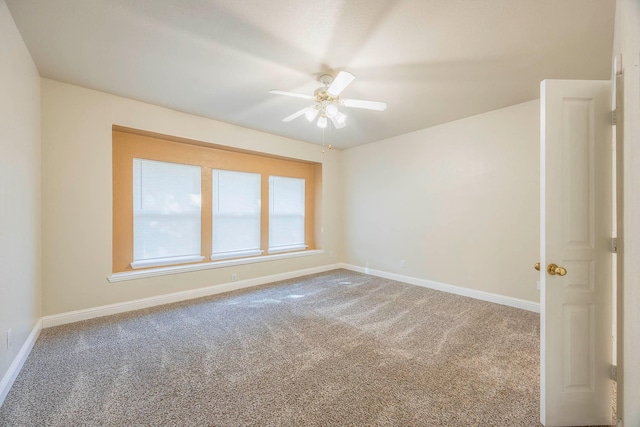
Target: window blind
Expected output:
[286,214]
[236,214]
[166,209]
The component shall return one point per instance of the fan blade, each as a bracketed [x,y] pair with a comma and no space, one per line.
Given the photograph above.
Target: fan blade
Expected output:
[295,115]
[297,95]
[369,105]
[342,80]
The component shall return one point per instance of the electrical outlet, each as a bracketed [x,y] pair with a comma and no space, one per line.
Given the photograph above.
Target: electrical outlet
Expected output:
[9,338]
[330,254]
[234,277]
[538,284]
[403,263]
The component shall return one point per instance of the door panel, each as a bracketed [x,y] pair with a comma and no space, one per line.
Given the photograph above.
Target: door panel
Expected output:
[575,362]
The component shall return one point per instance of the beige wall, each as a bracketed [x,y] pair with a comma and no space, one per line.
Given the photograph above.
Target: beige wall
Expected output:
[458,202]
[627,42]
[77,196]
[19,190]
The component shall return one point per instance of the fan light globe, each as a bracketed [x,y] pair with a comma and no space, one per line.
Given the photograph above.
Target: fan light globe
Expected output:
[311,114]
[331,110]
[322,122]
[339,120]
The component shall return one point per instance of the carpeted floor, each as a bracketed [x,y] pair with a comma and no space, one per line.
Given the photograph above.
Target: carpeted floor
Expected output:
[333,349]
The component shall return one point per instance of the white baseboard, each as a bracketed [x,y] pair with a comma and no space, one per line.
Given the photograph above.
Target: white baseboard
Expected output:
[18,361]
[106,310]
[458,290]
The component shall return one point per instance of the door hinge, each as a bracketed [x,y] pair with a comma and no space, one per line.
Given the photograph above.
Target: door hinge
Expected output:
[617,64]
[612,117]
[613,244]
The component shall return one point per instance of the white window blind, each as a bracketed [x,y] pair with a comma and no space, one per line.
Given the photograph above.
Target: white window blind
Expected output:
[166,212]
[286,214]
[236,214]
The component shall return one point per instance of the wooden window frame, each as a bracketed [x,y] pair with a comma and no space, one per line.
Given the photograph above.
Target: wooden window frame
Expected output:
[128,144]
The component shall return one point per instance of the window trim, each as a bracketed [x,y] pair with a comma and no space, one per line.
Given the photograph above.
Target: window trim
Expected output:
[124,276]
[131,143]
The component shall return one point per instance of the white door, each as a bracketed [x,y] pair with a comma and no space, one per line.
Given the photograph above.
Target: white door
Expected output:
[575,232]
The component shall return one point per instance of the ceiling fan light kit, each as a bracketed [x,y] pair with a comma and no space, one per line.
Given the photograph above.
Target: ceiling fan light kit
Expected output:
[322,122]
[327,100]
[331,110]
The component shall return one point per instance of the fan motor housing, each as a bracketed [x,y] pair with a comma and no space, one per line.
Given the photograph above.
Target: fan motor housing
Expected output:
[321,95]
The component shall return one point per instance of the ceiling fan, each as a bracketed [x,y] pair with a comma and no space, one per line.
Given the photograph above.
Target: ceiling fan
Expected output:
[327,100]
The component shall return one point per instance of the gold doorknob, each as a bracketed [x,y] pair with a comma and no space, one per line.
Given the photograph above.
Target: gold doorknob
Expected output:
[554,270]
[537,266]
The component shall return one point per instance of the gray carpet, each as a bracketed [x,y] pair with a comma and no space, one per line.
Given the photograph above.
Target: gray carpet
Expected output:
[334,349]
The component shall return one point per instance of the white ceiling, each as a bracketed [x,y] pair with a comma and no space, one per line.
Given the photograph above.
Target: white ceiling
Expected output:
[432,61]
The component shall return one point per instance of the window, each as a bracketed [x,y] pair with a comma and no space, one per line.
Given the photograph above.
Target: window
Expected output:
[236,214]
[286,214]
[178,201]
[166,212]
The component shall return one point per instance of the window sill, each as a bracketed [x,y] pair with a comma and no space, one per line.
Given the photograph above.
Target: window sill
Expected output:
[220,256]
[281,249]
[161,262]
[163,271]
